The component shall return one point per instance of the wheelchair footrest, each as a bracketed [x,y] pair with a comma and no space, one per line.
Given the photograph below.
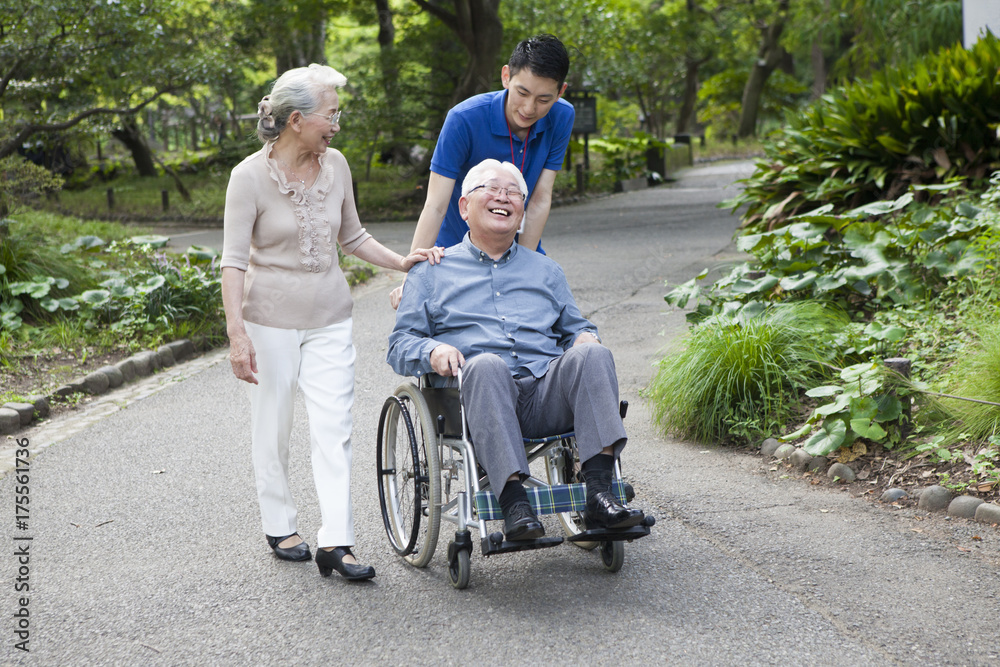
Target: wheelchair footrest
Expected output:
[495,544]
[606,535]
[547,499]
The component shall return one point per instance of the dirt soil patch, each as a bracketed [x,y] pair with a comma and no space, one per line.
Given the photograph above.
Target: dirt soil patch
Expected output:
[41,373]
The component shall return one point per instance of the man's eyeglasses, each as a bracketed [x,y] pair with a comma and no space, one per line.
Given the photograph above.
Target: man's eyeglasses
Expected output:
[333,118]
[512,193]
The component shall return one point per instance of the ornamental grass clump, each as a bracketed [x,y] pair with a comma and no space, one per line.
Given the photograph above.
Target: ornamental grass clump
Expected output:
[976,375]
[737,379]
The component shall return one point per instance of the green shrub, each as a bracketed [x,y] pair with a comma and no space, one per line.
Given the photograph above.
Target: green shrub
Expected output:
[624,158]
[31,271]
[738,377]
[151,296]
[926,123]
[23,181]
[862,407]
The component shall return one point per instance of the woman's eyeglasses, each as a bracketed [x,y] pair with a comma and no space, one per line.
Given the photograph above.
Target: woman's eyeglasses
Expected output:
[333,118]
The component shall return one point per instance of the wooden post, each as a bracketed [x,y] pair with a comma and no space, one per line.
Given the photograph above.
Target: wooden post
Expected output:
[165,199]
[901,366]
[111,199]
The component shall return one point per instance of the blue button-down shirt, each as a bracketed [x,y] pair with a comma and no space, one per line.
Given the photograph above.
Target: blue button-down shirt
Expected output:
[519,307]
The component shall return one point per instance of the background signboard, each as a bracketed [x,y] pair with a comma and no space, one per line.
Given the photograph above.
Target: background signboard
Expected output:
[586,114]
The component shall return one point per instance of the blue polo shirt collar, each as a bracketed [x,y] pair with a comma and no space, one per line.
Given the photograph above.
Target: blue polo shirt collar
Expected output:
[498,120]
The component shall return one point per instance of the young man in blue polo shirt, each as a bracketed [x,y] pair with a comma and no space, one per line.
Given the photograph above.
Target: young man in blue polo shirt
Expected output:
[527,123]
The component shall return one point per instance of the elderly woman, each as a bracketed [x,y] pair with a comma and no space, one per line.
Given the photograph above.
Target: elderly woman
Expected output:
[288,306]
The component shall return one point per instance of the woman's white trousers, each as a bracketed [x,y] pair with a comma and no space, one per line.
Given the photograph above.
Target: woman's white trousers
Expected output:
[320,362]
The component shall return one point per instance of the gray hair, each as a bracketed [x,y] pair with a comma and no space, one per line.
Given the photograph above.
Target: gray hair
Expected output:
[478,174]
[299,90]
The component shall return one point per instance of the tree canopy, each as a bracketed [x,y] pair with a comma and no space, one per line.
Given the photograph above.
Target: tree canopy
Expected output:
[722,66]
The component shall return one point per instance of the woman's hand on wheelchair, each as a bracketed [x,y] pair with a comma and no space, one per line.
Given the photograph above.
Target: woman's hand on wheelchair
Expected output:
[446,360]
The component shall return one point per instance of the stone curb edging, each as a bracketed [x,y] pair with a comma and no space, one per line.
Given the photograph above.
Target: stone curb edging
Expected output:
[932,499]
[14,416]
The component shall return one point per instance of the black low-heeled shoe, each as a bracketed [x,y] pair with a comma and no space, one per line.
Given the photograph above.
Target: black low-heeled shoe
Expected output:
[299,552]
[328,561]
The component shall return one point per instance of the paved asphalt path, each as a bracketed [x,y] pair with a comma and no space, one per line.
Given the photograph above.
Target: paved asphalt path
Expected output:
[147,548]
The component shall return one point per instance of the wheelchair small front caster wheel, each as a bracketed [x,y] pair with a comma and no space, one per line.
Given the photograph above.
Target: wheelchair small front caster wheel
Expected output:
[458,569]
[613,555]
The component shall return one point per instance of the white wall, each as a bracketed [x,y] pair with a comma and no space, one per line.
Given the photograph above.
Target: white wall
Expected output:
[977,16]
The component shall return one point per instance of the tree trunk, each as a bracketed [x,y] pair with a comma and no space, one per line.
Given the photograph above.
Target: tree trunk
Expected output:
[131,136]
[819,70]
[686,115]
[482,37]
[386,42]
[818,60]
[303,41]
[386,30]
[477,25]
[769,56]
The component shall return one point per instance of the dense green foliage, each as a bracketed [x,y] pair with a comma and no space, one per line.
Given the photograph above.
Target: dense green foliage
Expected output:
[931,122]
[119,294]
[910,276]
[872,203]
[871,258]
[861,408]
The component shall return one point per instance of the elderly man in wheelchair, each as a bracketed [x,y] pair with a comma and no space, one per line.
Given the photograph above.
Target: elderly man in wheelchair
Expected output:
[532,365]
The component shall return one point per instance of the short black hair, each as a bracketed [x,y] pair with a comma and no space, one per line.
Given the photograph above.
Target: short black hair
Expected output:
[544,55]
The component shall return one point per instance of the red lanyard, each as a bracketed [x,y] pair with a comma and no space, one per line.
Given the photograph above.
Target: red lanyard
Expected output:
[510,135]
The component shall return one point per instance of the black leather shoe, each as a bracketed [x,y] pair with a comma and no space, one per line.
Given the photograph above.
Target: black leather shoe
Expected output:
[604,511]
[328,561]
[297,553]
[520,522]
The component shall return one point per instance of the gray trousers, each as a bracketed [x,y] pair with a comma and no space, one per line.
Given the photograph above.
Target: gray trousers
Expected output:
[578,393]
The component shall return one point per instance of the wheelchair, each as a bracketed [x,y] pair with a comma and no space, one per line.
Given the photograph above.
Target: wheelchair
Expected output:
[427,472]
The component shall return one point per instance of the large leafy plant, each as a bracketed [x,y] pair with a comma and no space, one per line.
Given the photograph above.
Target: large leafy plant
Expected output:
[861,408]
[927,123]
[877,256]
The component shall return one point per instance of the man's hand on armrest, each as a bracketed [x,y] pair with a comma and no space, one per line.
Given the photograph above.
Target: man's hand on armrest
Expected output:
[586,337]
[446,360]
[396,295]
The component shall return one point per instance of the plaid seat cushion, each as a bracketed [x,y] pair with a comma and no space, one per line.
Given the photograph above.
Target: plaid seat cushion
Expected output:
[545,499]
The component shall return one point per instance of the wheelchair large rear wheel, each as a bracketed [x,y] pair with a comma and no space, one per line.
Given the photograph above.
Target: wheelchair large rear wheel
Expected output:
[562,467]
[409,475]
